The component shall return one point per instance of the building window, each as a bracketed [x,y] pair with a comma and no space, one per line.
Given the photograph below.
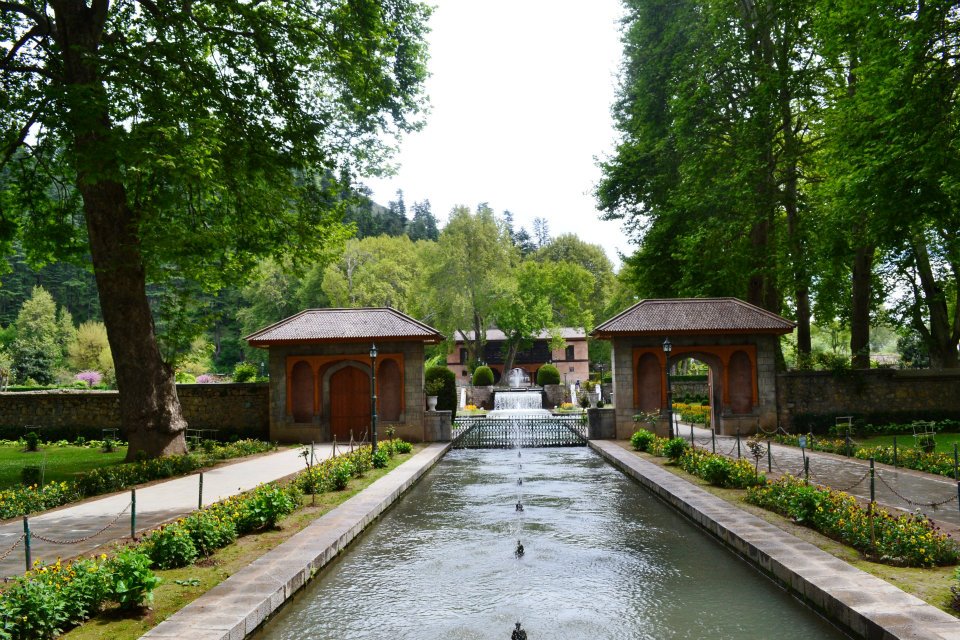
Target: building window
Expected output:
[570,352]
[463,356]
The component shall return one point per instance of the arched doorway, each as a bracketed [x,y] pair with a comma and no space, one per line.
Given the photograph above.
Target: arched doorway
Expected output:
[349,403]
[302,392]
[648,380]
[389,391]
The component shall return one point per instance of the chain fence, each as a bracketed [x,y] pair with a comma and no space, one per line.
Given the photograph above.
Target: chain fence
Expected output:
[913,503]
[3,556]
[116,519]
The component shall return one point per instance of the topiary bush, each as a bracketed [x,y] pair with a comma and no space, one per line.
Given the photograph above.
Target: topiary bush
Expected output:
[244,372]
[447,398]
[675,447]
[548,374]
[641,440]
[482,376]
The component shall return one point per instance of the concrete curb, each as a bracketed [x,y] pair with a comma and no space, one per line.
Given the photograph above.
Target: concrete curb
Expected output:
[858,602]
[238,605]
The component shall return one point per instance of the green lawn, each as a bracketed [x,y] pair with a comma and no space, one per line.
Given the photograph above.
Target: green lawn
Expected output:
[61,463]
[945,441]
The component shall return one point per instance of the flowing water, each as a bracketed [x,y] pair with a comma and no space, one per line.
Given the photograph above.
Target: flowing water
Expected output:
[603,559]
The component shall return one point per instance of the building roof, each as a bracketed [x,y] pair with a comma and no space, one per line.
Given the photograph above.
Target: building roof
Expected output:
[493,335]
[344,325]
[693,315]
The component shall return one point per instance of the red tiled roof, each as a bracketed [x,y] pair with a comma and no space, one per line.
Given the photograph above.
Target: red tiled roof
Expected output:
[693,315]
[347,325]
[494,335]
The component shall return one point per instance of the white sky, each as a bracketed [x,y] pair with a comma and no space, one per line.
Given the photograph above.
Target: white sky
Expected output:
[520,97]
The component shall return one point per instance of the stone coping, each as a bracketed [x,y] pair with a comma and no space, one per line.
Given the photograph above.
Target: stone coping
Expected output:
[237,606]
[858,602]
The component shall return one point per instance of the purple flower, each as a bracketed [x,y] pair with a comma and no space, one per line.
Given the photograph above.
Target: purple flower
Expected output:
[92,378]
[204,378]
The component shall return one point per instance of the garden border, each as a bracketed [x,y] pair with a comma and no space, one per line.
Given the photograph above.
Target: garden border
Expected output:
[239,605]
[858,602]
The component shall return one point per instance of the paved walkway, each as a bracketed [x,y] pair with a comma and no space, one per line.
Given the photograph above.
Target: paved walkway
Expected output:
[903,490]
[156,504]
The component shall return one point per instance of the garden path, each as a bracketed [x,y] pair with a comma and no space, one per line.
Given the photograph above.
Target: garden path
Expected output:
[156,503]
[900,490]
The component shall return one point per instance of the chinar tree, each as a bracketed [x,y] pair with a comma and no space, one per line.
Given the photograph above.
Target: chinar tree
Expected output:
[189,139]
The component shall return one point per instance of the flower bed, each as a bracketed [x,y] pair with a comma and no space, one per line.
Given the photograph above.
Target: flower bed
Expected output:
[43,603]
[716,469]
[905,540]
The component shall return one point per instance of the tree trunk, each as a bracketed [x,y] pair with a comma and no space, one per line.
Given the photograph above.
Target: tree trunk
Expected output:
[512,348]
[150,414]
[943,342]
[860,306]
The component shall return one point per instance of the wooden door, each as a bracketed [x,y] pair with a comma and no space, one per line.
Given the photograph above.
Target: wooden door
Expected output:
[349,404]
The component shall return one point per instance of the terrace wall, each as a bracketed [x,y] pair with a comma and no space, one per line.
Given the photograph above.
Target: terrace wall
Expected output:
[241,410]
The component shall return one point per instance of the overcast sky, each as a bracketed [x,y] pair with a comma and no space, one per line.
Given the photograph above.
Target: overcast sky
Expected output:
[520,98]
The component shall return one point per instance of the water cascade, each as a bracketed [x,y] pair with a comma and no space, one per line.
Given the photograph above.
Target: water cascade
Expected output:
[518,378]
[518,404]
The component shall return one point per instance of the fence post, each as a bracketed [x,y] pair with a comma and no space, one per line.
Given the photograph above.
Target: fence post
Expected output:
[873,487]
[894,452]
[738,443]
[26,542]
[769,457]
[955,477]
[806,469]
[958,495]
[200,497]
[311,453]
[133,513]
[811,441]
[694,446]
[847,438]
[713,439]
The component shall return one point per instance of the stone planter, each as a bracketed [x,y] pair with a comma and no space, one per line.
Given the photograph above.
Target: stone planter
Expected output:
[431,403]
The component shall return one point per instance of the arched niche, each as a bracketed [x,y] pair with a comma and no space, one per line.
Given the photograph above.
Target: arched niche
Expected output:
[740,383]
[302,392]
[389,391]
[649,383]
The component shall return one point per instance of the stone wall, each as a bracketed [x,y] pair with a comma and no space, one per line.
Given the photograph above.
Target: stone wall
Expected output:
[240,410]
[813,399]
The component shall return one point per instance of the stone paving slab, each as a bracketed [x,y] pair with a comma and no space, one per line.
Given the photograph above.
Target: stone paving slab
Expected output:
[156,503]
[862,604]
[238,605]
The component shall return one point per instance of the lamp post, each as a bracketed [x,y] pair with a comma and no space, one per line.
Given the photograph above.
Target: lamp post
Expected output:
[667,347]
[373,396]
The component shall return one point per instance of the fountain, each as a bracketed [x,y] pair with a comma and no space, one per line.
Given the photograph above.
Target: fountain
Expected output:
[518,378]
[518,404]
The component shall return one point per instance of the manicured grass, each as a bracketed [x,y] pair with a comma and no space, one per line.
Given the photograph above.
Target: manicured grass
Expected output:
[170,597]
[945,441]
[61,463]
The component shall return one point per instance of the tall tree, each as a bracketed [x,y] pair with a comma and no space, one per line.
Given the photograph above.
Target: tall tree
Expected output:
[541,232]
[568,248]
[423,226]
[186,138]
[467,272]
[376,272]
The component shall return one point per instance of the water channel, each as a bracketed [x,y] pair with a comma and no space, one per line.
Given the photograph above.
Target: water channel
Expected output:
[603,560]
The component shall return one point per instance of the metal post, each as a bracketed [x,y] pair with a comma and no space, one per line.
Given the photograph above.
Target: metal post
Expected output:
[812,448]
[955,477]
[133,513]
[200,497]
[769,457]
[806,469]
[26,542]
[738,443]
[692,444]
[873,486]
[894,452]
[373,397]
[848,445]
[311,453]
[958,495]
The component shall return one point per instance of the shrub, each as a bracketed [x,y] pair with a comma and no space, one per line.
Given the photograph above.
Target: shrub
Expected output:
[30,476]
[402,447]
[244,372]
[340,475]
[380,459]
[641,440]
[434,387]
[447,398]
[32,440]
[548,374]
[210,530]
[171,546]
[132,581]
[482,376]
[675,447]
[182,377]
[263,507]
[719,470]
[24,500]
[205,378]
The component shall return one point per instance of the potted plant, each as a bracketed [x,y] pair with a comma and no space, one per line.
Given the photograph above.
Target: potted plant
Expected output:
[433,389]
